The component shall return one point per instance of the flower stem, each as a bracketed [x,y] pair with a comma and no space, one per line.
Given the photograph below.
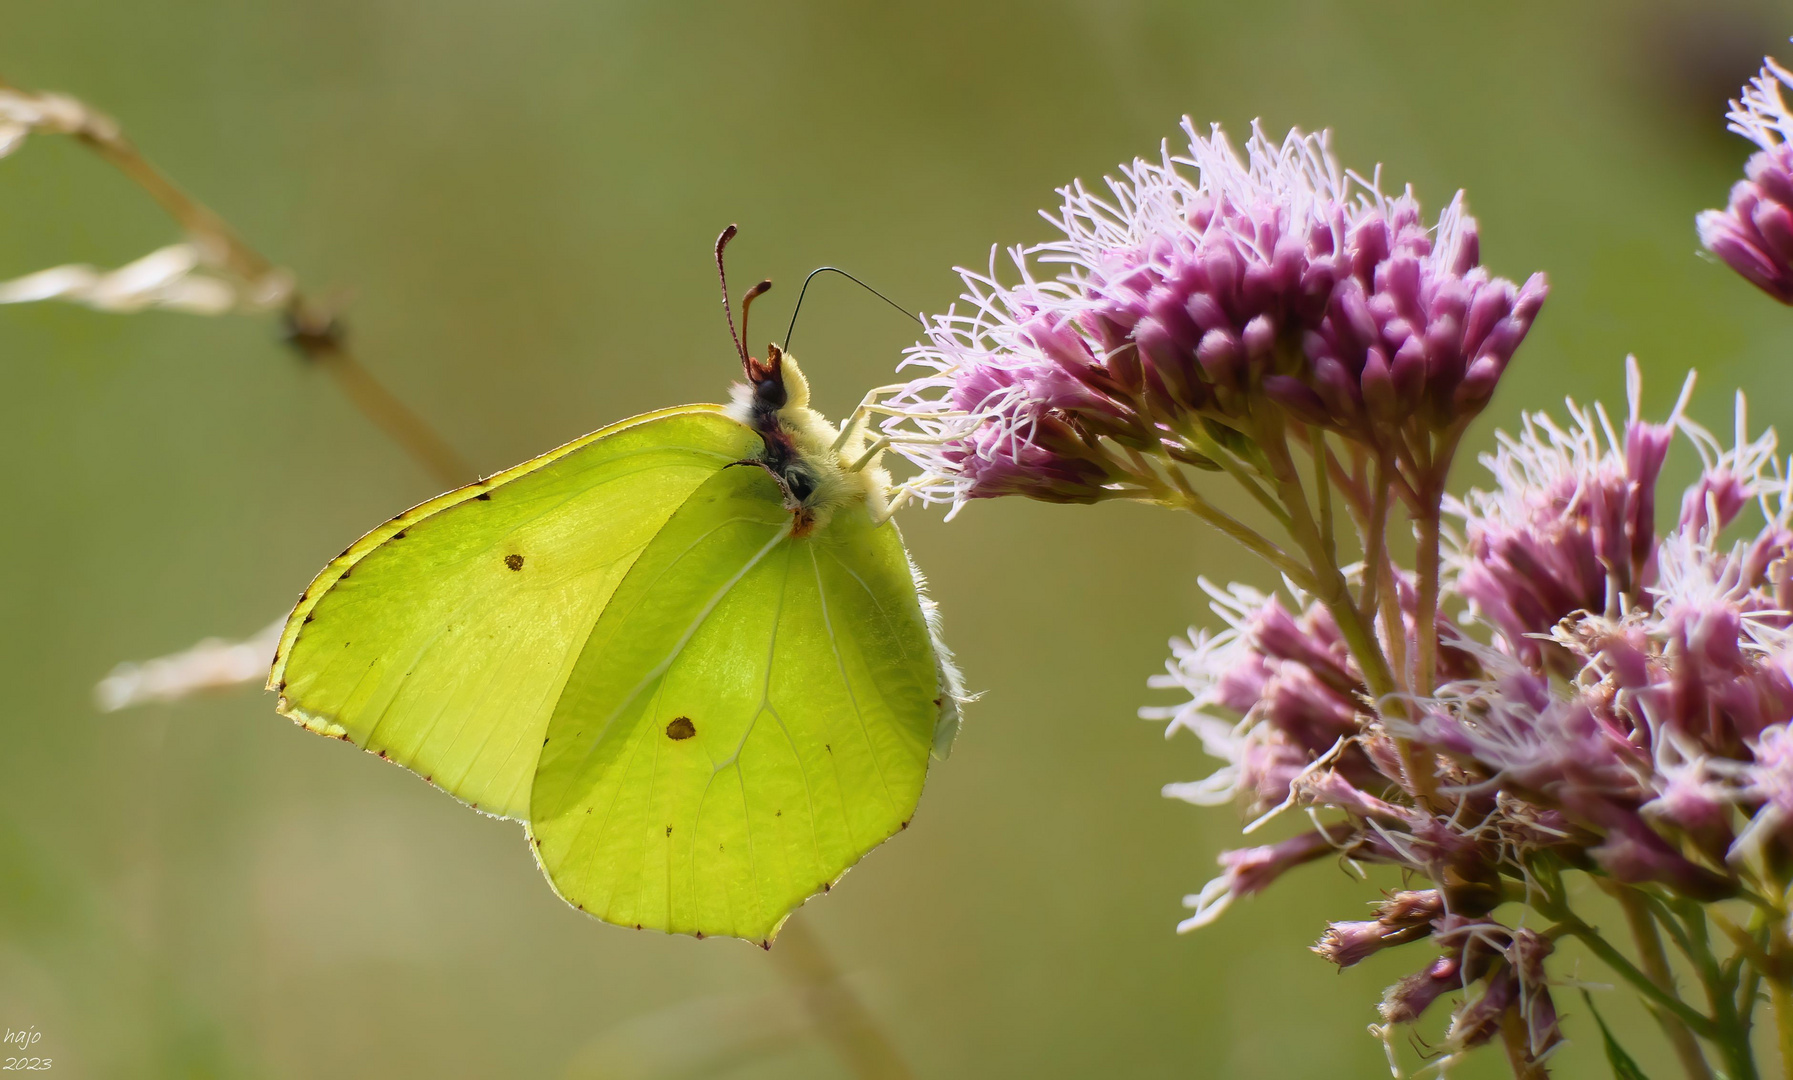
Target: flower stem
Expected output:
[1425,617]
[1179,493]
[1316,441]
[1382,577]
[1202,443]
[1332,591]
[1433,471]
[1329,582]
[1375,539]
[1570,923]
[1780,993]
[1731,1028]
[1655,964]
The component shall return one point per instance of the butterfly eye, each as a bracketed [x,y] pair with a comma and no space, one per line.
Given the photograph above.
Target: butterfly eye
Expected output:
[770,393]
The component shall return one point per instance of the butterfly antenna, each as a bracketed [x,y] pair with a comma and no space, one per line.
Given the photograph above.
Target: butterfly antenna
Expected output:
[747,302]
[837,270]
[722,242]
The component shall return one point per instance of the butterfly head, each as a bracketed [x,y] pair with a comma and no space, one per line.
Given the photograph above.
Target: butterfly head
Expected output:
[802,451]
[775,383]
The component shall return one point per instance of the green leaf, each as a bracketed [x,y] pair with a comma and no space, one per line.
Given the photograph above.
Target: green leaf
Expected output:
[1623,1066]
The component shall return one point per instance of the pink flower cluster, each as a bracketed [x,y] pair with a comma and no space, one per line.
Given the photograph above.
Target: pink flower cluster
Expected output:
[1183,301]
[1618,700]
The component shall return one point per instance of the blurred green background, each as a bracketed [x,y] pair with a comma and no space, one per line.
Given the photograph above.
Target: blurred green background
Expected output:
[517,203]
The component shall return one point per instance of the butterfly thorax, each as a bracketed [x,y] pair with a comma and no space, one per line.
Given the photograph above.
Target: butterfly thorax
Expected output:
[800,445]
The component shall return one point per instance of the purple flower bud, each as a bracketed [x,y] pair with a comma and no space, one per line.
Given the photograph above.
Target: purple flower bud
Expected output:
[1348,943]
[1414,907]
[1750,234]
[1403,1002]
[1469,248]
[1295,396]
[1060,344]
[995,464]
[1442,324]
[1408,371]
[1354,328]
[1293,681]
[1329,788]
[1633,853]
[1753,235]
[1222,359]
[1339,391]
[1207,314]
[1251,870]
[1170,309]
[1719,493]
[1479,1019]
[1526,955]
[1314,642]
[1312,714]
[1400,279]
[1167,367]
[1699,808]
[1646,448]
[1379,387]
[1492,304]
[1268,762]
[1477,385]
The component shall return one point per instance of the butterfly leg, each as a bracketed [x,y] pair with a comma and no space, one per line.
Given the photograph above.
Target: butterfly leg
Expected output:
[867,406]
[903,495]
[885,442]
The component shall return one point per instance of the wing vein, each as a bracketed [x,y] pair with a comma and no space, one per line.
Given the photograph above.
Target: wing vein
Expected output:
[841,665]
[660,669]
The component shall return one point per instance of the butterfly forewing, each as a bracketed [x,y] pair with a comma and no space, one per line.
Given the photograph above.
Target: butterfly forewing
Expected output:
[442,639]
[751,715]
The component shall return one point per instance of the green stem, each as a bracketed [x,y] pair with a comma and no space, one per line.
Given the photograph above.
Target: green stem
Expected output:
[1382,574]
[1353,485]
[1427,567]
[1781,994]
[1188,499]
[1329,583]
[1732,1037]
[1751,983]
[1655,963]
[1202,443]
[1432,473]
[1332,591]
[1375,531]
[1316,441]
[1569,923]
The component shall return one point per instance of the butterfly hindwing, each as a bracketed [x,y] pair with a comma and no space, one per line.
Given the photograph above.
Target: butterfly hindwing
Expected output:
[752,713]
[443,638]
